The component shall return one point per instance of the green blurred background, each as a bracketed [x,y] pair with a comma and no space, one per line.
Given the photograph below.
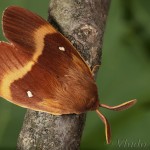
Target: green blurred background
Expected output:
[124,75]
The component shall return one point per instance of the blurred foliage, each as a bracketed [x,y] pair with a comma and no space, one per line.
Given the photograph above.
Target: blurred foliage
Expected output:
[124,75]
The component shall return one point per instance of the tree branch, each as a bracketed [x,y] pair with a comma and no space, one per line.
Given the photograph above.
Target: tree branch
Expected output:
[82,22]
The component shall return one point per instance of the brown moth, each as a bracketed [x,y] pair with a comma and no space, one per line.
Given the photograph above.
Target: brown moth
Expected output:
[41,70]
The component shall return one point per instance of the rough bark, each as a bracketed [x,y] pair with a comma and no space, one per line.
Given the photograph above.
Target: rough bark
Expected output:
[82,22]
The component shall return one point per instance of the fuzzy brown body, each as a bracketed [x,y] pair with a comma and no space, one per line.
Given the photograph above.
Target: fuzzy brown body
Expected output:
[42,61]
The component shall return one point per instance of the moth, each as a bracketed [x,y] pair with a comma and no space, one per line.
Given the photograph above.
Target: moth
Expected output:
[42,71]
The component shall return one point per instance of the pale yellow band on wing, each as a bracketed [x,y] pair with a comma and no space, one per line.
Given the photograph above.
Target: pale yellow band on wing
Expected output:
[16,74]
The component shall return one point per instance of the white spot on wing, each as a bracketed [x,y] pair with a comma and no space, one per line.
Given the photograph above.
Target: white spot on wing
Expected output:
[29,93]
[61,48]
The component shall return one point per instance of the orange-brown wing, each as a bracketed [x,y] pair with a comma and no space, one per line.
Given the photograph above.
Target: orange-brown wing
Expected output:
[41,70]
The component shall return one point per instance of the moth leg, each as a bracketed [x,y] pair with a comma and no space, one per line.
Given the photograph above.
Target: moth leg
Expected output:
[120,107]
[107,126]
[94,69]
